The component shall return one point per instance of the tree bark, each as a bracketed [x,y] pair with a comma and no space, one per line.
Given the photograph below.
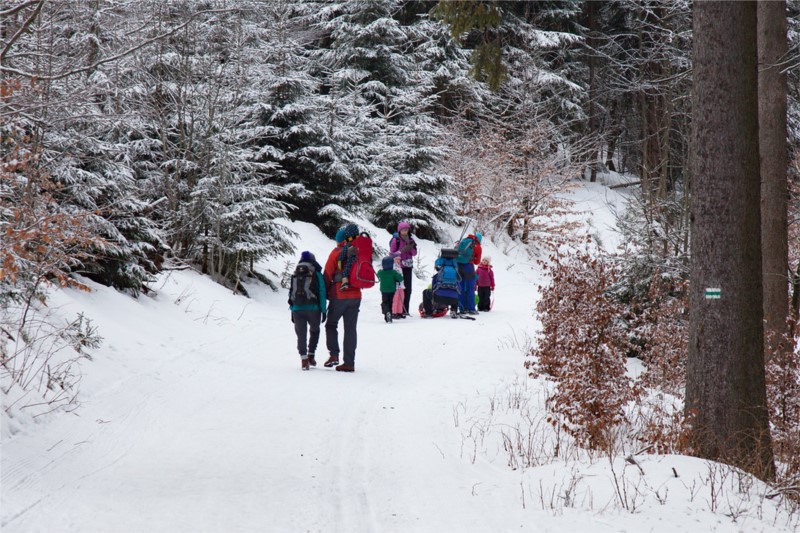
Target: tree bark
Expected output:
[772,49]
[725,386]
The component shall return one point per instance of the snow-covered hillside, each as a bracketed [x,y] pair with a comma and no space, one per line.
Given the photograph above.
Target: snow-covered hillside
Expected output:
[195,416]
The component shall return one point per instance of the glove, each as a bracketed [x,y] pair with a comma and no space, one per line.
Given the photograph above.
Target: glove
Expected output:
[324,317]
[292,315]
[408,247]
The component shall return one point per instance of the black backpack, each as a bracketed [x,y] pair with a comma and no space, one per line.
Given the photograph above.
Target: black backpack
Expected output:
[304,286]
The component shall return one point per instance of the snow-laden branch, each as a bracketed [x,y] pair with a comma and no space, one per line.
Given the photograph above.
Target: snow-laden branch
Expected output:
[17,72]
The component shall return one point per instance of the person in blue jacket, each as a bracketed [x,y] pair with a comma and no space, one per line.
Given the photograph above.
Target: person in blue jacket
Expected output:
[443,291]
[308,303]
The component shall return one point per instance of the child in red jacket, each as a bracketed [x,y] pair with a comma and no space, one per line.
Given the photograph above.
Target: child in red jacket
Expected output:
[485,284]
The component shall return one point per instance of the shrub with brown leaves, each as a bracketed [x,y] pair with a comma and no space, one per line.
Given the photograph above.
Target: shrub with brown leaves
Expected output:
[582,350]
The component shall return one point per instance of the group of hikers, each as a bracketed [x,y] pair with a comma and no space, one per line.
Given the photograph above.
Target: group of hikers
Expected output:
[330,293]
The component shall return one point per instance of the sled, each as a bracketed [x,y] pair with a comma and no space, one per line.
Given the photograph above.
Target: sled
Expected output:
[437,312]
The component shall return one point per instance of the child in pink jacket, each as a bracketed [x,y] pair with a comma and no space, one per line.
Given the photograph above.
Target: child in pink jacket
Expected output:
[485,284]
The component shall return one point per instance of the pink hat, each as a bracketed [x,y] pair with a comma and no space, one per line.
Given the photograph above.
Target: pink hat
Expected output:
[403,225]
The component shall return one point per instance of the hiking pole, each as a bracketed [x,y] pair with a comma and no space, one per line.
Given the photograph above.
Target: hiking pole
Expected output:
[464,231]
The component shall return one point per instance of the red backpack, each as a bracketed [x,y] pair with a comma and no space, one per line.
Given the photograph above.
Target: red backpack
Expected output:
[363,274]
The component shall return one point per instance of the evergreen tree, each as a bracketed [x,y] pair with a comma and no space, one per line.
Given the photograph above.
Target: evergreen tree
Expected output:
[386,80]
[360,62]
[417,190]
[70,122]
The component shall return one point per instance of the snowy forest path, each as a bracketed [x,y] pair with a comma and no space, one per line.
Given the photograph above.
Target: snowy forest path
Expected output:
[214,427]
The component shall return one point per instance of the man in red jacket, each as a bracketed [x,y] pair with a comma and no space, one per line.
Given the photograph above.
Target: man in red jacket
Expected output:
[344,304]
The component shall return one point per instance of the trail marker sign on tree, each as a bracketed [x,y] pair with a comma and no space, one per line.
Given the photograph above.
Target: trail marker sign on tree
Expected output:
[713,293]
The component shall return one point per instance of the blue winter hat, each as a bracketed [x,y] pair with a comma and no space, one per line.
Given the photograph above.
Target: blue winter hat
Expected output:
[479,237]
[387,263]
[307,257]
[339,235]
[350,231]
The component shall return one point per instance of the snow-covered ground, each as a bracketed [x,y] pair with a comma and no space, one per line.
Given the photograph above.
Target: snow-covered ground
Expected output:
[195,416]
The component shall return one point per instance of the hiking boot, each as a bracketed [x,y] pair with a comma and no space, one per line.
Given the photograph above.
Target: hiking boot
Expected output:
[473,312]
[304,364]
[453,313]
[345,368]
[311,360]
[388,317]
[333,360]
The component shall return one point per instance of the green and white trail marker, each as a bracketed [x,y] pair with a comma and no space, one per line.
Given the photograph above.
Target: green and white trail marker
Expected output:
[713,293]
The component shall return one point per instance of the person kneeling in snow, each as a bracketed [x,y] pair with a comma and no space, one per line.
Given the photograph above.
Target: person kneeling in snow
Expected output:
[444,287]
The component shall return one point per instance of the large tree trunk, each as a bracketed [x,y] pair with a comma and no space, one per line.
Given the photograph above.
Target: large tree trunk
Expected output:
[772,49]
[725,386]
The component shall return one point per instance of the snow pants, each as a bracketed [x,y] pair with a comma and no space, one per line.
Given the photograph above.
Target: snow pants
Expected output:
[484,298]
[347,311]
[466,286]
[431,302]
[307,323]
[407,277]
[387,299]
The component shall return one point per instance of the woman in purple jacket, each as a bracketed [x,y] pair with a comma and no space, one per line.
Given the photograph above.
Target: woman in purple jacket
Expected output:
[403,246]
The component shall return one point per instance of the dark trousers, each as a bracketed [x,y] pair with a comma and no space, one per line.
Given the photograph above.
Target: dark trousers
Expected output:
[428,302]
[347,311]
[386,302]
[407,276]
[307,322]
[484,298]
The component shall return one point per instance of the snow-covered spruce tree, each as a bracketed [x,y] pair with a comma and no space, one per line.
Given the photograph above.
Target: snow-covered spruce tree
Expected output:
[41,245]
[285,115]
[237,192]
[349,37]
[416,190]
[376,75]
[521,44]
[199,152]
[582,350]
[444,62]
[67,48]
